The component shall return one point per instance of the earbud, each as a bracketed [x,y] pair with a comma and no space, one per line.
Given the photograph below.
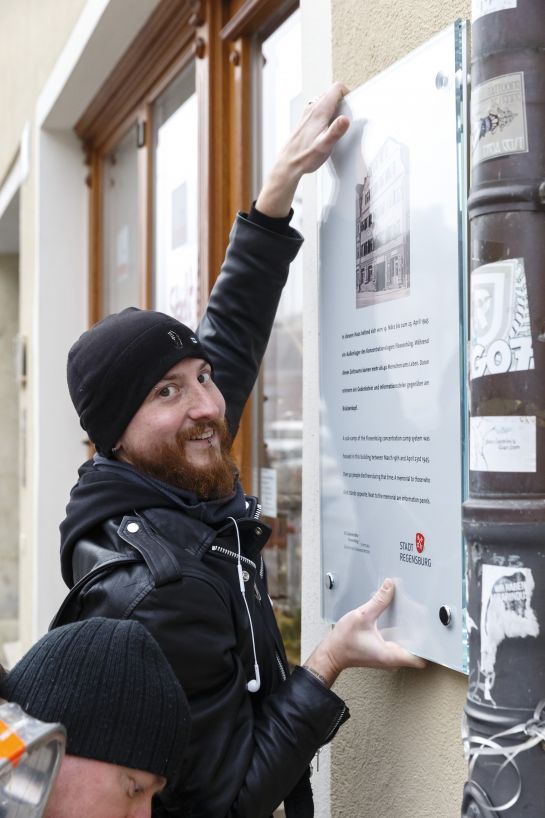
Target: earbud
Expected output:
[254,684]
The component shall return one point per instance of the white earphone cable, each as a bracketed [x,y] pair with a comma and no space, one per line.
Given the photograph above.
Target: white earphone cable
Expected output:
[254,684]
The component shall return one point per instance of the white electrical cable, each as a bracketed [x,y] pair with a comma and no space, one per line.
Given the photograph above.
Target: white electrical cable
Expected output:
[254,684]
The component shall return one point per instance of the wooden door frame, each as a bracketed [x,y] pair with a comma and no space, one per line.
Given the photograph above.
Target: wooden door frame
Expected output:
[248,24]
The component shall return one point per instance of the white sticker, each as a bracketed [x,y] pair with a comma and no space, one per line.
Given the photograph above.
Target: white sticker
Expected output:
[501,338]
[506,613]
[481,7]
[506,444]
[268,492]
[498,118]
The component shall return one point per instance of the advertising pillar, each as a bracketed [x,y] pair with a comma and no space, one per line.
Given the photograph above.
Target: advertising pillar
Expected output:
[504,518]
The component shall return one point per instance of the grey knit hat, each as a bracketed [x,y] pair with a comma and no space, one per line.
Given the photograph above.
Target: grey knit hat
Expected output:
[108,682]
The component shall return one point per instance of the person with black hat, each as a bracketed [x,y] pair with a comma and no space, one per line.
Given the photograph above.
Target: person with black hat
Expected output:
[158,527]
[126,716]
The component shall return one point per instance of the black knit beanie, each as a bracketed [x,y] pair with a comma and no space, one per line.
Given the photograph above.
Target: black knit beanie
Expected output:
[108,682]
[113,366]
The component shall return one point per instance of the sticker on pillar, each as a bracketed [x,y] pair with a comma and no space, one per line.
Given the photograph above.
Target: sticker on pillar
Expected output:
[481,7]
[501,337]
[498,118]
[503,444]
[506,613]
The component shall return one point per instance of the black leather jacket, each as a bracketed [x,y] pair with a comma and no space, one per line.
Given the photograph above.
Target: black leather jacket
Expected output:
[177,574]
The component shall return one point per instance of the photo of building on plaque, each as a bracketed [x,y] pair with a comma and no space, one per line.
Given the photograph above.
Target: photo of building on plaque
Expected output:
[382,227]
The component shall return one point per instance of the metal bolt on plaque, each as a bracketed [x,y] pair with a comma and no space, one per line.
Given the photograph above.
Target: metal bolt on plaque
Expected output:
[445,615]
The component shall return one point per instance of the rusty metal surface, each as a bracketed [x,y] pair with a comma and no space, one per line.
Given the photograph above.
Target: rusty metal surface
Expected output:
[504,518]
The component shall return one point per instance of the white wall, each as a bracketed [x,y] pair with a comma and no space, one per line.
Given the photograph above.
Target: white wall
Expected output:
[316,32]
[9,449]
[60,316]
[54,240]
[400,755]
[32,34]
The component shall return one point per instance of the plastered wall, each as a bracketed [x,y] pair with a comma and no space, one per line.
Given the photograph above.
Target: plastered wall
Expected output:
[32,34]
[56,53]
[400,755]
[9,517]
[369,35]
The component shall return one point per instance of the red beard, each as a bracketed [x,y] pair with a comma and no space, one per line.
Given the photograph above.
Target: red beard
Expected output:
[169,463]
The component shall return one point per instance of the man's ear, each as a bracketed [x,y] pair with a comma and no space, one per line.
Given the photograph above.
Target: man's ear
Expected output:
[118,450]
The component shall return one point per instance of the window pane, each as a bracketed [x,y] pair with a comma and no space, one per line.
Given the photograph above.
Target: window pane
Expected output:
[176,285]
[121,280]
[280,455]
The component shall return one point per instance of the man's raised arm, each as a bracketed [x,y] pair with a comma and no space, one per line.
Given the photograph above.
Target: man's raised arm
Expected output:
[237,323]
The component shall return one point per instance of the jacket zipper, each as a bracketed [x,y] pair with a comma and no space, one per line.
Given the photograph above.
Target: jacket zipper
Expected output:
[331,732]
[227,553]
[281,667]
[337,722]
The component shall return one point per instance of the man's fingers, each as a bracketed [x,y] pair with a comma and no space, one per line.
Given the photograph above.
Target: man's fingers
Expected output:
[338,127]
[327,101]
[380,600]
[399,657]
[337,91]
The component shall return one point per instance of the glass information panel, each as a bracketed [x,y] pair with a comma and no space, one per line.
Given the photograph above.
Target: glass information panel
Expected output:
[392,330]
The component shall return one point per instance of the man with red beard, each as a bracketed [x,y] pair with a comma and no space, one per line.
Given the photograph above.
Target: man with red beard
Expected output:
[158,527]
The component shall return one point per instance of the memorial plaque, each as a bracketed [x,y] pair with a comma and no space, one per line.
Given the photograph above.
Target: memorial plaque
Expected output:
[393,333]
